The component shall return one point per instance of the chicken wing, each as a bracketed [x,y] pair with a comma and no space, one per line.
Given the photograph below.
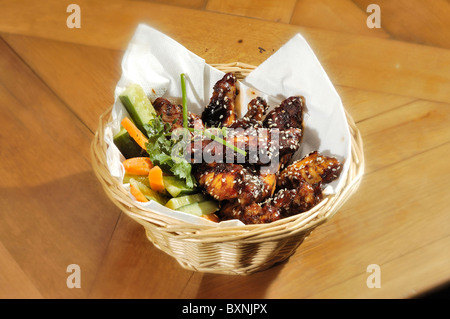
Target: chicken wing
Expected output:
[254,213]
[299,189]
[312,169]
[288,114]
[221,108]
[256,109]
[285,203]
[225,181]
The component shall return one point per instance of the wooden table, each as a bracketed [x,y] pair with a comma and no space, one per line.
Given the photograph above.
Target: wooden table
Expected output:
[55,81]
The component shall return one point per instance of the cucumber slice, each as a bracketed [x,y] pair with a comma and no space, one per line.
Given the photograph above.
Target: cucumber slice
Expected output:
[127,146]
[176,186]
[148,192]
[143,179]
[200,208]
[138,105]
[178,202]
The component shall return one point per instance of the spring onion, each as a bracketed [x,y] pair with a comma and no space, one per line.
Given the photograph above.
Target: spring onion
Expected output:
[184,100]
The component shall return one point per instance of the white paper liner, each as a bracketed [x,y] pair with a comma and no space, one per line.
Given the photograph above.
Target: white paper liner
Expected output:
[155,61]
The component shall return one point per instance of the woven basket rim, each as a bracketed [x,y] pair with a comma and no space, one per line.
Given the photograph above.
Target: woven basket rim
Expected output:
[174,228]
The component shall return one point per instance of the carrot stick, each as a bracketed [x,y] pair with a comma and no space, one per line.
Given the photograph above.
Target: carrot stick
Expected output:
[137,165]
[134,132]
[155,178]
[136,192]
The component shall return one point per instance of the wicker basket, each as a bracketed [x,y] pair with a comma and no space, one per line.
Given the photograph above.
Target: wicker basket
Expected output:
[236,250]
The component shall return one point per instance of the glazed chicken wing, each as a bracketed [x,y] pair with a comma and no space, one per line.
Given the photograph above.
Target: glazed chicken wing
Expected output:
[256,109]
[299,189]
[225,181]
[221,108]
[312,169]
[255,213]
[288,114]
[285,203]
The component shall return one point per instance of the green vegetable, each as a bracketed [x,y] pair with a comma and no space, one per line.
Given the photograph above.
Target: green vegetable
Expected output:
[176,186]
[160,148]
[148,192]
[200,208]
[127,146]
[184,100]
[175,203]
[143,179]
[138,105]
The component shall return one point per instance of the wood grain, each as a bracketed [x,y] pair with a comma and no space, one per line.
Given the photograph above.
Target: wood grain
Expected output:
[45,221]
[278,11]
[363,104]
[192,4]
[15,283]
[343,16]
[397,286]
[145,271]
[414,21]
[417,127]
[350,60]
[92,73]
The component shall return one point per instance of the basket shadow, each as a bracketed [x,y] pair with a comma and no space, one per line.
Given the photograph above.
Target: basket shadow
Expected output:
[252,286]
